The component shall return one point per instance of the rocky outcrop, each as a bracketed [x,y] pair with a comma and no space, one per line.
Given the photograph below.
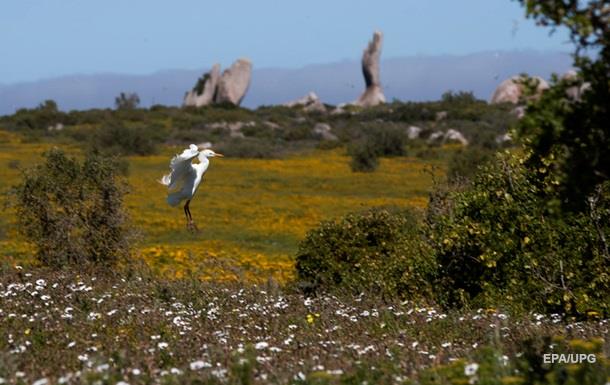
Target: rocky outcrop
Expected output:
[203,93]
[455,136]
[234,83]
[413,132]
[512,90]
[323,131]
[440,137]
[504,138]
[212,87]
[578,88]
[233,128]
[310,103]
[373,94]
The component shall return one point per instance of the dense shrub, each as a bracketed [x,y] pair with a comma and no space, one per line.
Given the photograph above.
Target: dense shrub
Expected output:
[373,141]
[72,211]
[127,140]
[382,250]
[249,148]
[364,156]
[504,240]
[465,162]
[39,118]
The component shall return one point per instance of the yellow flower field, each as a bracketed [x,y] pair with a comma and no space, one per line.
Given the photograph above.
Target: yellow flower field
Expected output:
[251,212]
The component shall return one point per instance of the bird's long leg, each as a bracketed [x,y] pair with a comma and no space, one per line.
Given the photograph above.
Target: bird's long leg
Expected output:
[193,225]
[190,223]
[186,213]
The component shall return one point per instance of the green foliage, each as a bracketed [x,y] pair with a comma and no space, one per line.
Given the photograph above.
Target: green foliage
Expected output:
[72,211]
[199,86]
[575,131]
[39,118]
[249,148]
[574,128]
[382,250]
[504,240]
[364,156]
[373,142]
[127,101]
[460,97]
[465,162]
[127,139]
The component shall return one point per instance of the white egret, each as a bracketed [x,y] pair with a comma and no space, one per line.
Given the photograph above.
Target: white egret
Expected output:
[185,178]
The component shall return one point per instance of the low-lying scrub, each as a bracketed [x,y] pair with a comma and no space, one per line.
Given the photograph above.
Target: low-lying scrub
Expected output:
[95,327]
[382,250]
[73,211]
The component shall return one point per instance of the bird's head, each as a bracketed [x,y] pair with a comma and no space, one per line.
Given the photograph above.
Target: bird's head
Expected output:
[210,154]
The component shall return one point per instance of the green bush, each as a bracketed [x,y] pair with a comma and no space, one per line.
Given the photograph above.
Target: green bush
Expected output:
[465,162]
[373,141]
[249,148]
[382,250]
[39,118]
[504,240]
[72,211]
[364,156]
[127,140]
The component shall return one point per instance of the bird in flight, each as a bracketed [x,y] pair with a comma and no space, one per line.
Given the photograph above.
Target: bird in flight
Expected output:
[185,177]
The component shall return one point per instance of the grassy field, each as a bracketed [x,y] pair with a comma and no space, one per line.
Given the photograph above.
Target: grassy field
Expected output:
[136,326]
[251,212]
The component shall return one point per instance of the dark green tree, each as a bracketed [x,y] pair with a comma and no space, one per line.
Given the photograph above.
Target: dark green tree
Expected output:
[127,101]
[570,124]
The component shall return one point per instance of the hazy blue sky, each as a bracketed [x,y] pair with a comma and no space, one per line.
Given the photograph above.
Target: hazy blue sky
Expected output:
[44,38]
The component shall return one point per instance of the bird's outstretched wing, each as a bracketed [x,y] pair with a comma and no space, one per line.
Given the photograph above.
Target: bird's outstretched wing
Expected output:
[180,166]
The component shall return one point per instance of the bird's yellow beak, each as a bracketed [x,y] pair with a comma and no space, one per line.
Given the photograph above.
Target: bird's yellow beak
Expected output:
[218,154]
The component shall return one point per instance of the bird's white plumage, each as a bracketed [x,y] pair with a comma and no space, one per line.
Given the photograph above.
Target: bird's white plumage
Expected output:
[180,167]
[185,177]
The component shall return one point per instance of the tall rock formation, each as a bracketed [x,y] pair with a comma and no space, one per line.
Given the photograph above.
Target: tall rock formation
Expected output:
[234,83]
[373,94]
[203,92]
[230,87]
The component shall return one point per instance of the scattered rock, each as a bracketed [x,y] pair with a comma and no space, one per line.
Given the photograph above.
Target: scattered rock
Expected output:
[450,136]
[234,128]
[518,111]
[323,130]
[338,110]
[501,139]
[310,103]
[413,132]
[272,125]
[441,115]
[436,136]
[575,92]
[511,90]
[56,127]
[373,94]
[455,136]
[230,87]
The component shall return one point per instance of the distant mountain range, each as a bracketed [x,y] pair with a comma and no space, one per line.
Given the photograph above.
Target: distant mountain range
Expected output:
[415,78]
